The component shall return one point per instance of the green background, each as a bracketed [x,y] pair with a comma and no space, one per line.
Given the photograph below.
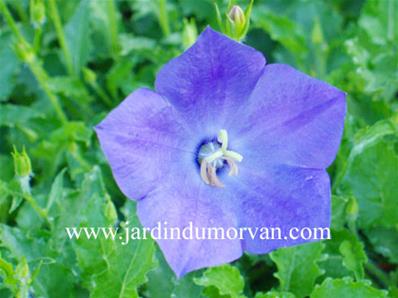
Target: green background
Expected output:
[65,64]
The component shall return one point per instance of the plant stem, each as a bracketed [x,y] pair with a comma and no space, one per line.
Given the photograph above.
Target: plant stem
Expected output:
[37,39]
[54,15]
[41,212]
[10,21]
[42,78]
[27,54]
[101,93]
[163,18]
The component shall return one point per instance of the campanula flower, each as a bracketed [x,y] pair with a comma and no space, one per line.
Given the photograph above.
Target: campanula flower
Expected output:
[226,141]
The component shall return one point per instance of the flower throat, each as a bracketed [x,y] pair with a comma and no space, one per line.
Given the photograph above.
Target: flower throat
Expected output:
[213,156]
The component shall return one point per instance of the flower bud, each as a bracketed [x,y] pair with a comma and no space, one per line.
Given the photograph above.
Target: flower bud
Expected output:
[235,24]
[89,75]
[352,209]
[23,169]
[37,13]
[317,34]
[22,165]
[237,17]
[189,33]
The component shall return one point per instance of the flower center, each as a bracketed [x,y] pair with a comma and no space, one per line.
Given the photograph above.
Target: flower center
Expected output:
[213,156]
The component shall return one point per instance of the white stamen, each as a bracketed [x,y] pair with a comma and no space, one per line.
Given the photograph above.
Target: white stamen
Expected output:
[233,168]
[203,171]
[210,163]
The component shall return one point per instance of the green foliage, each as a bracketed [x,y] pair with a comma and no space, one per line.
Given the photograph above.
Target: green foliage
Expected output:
[65,64]
[274,294]
[346,288]
[223,281]
[297,267]
[372,177]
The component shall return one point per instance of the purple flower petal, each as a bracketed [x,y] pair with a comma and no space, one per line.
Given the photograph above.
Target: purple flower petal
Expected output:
[142,139]
[293,119]
[210,80]
[183,199]
[282,197]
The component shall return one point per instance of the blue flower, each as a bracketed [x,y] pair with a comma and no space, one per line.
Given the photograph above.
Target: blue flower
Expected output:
[226,141]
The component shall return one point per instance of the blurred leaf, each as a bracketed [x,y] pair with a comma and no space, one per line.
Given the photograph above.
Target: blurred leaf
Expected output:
[53,279]
[9,66]
[380,20]
[161,280]
[12,115]
[222,281]
[56,190]
[132,44]
[281,29]
[372,177]
[105,19]
[275,294]
[90,206]
[346,288]
[77,35]
[17,280]
[298,267]
[338,211]
[385,242]
[354,256]
[377,68]
[186,288]
[110,269]
[61,143]
[70,87]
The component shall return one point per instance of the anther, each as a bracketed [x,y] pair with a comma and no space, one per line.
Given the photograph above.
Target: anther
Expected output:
[210,163]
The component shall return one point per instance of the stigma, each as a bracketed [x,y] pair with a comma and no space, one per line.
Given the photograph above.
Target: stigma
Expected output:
[213,156]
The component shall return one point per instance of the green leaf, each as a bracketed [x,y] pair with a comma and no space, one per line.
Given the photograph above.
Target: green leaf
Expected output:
[186,287]
[56,189]
[385,242]
[338,211]
[70,87]
[282,29]
[12,115]
[52,279]
[78,35]
[90,206]
[354,256]
[298,267]
[9,66]
[380,21]
[372,178]
[111,269]
[225,279]
[274,294]
[162,281]
[345,253]
[105,19]
[18,280]
[378,27]
[346,288]
[64,141]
